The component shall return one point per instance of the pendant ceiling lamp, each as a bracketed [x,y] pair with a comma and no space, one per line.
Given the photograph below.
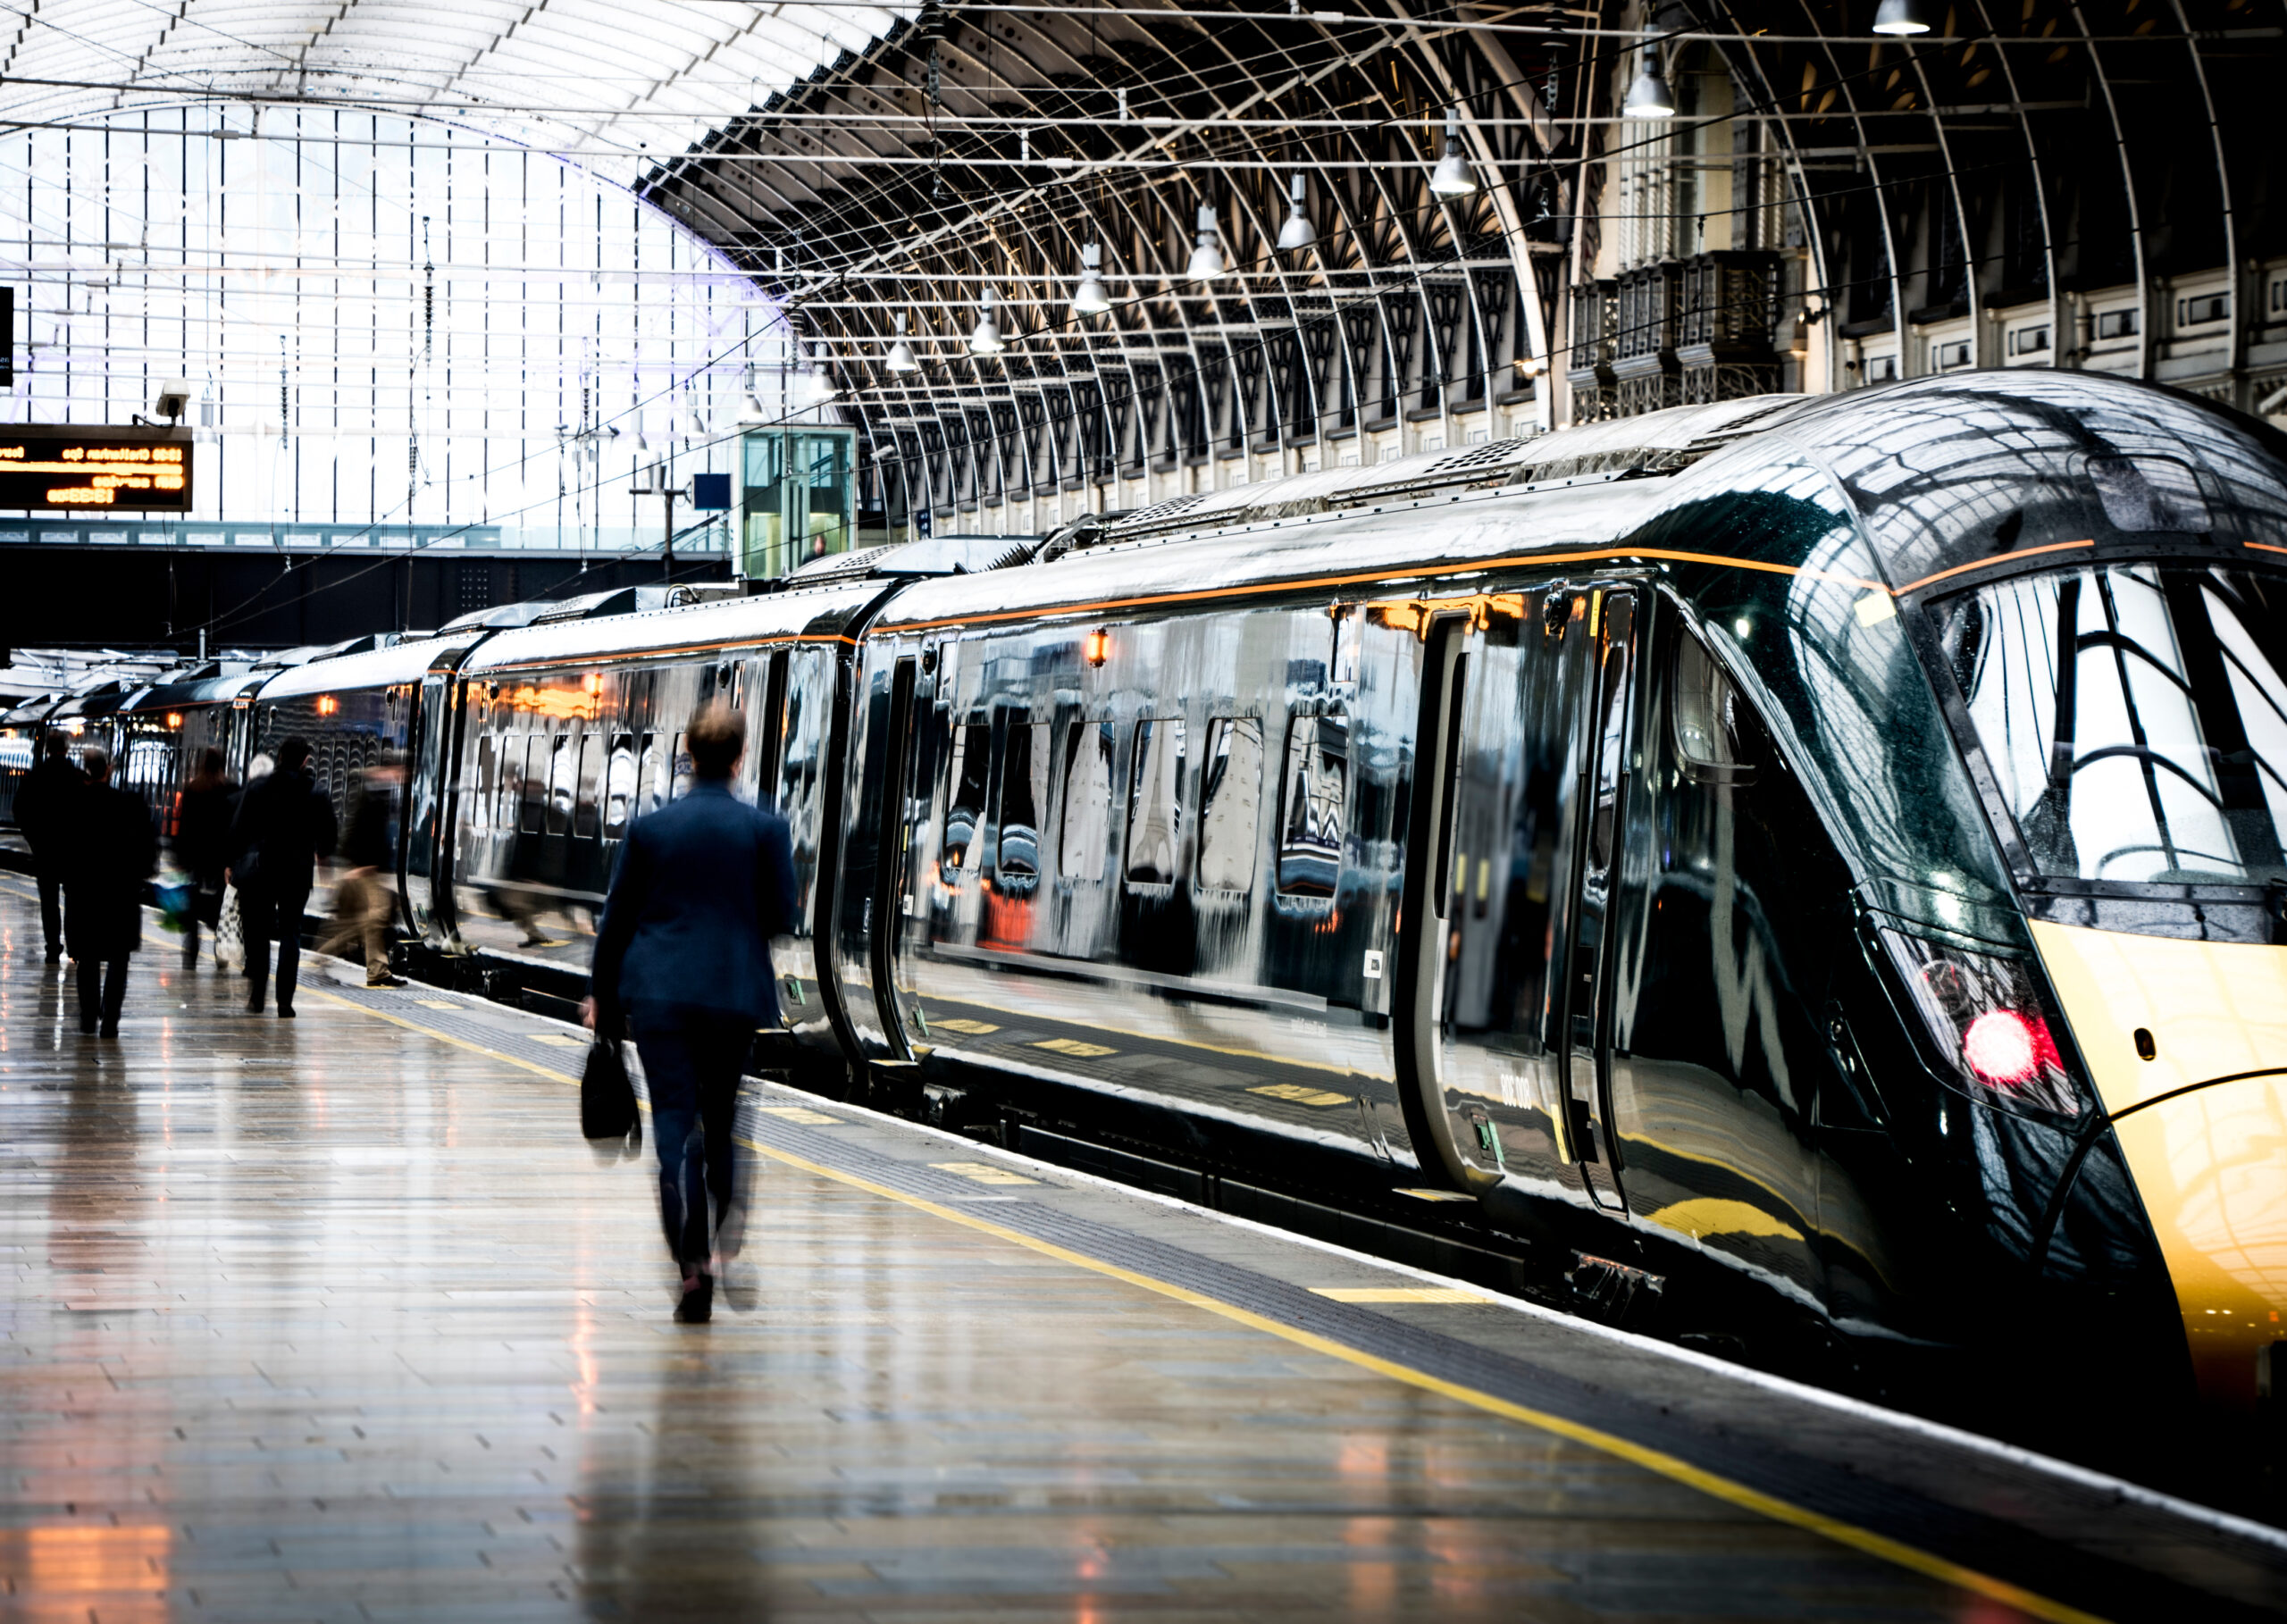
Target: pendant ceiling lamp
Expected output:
[1207,258]
[1648,97]
[1451,177]
[1091,297]
[817,383]
[1900,17]
[985,338]
[900,359]
[1298,233]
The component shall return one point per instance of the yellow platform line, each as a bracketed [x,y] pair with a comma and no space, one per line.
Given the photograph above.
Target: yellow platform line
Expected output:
[1673,1468]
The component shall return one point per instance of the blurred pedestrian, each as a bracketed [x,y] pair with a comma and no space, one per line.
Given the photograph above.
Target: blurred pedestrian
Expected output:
[364,905]
[114,847]
[684,953]
[44,804]
[203,846]
[284,825]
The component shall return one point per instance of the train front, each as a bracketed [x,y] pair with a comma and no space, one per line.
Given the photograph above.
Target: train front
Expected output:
[2093,577]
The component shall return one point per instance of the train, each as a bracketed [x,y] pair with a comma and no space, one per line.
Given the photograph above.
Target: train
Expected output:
[1791,860]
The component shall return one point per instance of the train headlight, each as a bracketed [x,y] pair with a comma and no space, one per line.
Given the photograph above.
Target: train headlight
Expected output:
[1986,1021]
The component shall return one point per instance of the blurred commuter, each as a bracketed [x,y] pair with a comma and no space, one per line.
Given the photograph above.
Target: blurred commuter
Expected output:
[364,905]
[284,825]
[113,848]
[44,813]
[684,954]
[203,846]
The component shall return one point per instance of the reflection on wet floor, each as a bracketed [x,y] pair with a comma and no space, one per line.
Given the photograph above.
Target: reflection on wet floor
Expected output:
[332,1321]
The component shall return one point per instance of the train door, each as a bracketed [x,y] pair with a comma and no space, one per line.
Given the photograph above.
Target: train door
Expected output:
[422,809]
[892,887]
[1502,985]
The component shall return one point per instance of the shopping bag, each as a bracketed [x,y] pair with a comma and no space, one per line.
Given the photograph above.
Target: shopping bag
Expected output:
[229,933]
[175,898]
[606,1098]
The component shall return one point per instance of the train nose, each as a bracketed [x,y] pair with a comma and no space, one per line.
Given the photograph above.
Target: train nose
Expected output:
[2187,1044]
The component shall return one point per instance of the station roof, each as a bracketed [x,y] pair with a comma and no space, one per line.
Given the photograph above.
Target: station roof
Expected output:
[616,79]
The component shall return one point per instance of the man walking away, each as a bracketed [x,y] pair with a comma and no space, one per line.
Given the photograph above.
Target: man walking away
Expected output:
[363,902]
[684,953]
[44,804]
[285,825]
[113,849]
[203,846]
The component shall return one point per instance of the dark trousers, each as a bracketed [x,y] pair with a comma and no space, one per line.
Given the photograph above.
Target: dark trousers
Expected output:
[112,976]
[692,1061]
[269,917]
[51,904]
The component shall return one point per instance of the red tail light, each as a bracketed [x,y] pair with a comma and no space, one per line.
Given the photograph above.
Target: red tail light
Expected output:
[1985,1016]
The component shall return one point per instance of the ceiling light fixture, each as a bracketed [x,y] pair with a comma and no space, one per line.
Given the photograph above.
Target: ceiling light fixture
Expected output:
[1900,17]
[1091,297]
[1648,97]
[1298,233]
[1207,258]
[985,338]
[1451,178]
[817,383]
[901,357]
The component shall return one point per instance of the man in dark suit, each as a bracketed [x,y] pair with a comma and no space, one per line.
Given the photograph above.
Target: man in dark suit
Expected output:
[114,847]
[684,951]
[44,804]
[284,825]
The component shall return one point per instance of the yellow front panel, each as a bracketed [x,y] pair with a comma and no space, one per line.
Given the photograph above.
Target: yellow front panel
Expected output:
[2211,1165]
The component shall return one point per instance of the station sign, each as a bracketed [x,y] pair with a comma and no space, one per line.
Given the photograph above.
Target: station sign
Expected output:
[83,469]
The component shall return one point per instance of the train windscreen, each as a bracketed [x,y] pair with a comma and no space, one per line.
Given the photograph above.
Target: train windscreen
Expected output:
[2134,717]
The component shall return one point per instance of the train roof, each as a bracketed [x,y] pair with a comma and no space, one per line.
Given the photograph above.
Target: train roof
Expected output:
[220,684]
[1938,476]
[405,662]
[822,611]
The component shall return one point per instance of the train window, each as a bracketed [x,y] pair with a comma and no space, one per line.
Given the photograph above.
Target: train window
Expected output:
[680,786]
[965,794]
[1716,732]
[619,787]
[1315,789]
[488,781]
[563,761]
[1084,841]
[649,791]
[533,804]
[1023,792]
[1230,800]
[587,787]
[1155,802]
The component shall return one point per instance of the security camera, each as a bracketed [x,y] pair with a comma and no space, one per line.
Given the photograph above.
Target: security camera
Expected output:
[174,399]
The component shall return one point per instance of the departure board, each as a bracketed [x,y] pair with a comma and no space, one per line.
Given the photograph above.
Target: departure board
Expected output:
[95,469]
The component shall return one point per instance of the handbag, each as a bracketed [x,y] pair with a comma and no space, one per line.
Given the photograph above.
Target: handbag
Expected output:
[606,1098]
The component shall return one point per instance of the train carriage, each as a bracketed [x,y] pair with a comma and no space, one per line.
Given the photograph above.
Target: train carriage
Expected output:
[1836,842]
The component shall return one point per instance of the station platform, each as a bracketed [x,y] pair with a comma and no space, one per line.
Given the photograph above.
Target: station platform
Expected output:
[340,1318]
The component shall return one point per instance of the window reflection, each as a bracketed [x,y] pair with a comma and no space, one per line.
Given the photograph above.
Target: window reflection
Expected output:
[1155,803]
[1316,790]
[2135,718]
[1085,839]
[1229,803]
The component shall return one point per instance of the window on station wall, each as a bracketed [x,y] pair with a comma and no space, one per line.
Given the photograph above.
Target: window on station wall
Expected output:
[965,780]
[563,767]
[1024,794]
[1230,801]
[1315,791]
[619,787]
[1155,802]
[1084,842]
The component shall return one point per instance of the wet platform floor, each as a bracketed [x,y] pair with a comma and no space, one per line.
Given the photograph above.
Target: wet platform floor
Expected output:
[339,1318]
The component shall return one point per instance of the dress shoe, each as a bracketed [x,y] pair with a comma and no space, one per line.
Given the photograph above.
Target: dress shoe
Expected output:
[253,1006]
[385,980]
[111,1031]
[285,1012]
[697,1304]
[87,1028]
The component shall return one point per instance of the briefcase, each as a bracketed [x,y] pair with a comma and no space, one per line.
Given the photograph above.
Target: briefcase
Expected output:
[606,1098]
